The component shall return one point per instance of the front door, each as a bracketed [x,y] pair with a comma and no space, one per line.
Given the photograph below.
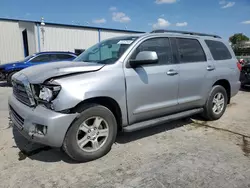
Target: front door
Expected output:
[152,90]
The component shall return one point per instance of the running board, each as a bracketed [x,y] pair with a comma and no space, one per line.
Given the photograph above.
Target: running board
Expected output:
[161,120]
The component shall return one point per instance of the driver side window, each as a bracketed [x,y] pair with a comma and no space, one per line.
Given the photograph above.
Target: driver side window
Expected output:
[159,45]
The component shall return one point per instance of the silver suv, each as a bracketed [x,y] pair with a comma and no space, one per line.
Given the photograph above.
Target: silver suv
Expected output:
[126,83]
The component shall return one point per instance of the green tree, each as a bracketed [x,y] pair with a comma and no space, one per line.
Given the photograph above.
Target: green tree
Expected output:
[237,38]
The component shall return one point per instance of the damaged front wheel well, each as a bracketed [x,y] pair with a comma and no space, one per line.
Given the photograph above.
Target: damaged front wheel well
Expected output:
[108,102]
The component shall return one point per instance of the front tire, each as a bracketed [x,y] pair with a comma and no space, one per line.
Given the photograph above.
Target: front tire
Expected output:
[216,103]
[91,135]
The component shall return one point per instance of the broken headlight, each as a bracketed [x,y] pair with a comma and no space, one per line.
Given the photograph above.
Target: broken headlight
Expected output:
[49,92]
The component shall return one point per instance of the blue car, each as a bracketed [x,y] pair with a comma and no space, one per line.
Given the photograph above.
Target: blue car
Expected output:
[7,70]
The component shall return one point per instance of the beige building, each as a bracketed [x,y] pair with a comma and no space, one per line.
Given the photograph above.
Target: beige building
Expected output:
[20,38]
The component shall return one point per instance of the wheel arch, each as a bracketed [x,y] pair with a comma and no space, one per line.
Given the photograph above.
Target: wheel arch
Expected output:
[108,102]
[225,83]
[11,71]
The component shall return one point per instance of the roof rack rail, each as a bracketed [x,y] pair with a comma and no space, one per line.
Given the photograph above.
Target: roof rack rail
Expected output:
[184,32]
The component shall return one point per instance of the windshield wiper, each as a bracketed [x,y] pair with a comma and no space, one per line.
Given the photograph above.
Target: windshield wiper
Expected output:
[107,61]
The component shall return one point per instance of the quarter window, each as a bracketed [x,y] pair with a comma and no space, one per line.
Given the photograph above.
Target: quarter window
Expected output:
[190,50]
[218,50]
[159,45]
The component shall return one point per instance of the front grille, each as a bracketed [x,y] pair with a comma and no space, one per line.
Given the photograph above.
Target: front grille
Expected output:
[20,92]
[17,117]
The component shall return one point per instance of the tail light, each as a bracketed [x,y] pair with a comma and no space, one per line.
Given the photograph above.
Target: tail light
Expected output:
[239,66]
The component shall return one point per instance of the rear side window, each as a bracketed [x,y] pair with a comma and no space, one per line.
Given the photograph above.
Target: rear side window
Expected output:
[190,50]
[41,58]
[218,50]
[60,57]
[63,56]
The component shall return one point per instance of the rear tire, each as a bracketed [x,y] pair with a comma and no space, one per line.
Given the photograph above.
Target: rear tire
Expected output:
[9,78]
[216,103]
[84,141]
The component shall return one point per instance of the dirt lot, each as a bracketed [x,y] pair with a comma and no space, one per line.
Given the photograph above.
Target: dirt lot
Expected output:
[187,153]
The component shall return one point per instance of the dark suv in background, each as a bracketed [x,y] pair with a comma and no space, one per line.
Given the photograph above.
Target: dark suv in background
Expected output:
[7,70]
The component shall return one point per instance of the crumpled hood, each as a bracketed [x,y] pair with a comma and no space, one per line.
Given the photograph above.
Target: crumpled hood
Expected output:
[40,73]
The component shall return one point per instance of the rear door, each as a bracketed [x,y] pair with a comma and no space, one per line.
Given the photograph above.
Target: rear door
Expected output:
[225,63]
[195,72]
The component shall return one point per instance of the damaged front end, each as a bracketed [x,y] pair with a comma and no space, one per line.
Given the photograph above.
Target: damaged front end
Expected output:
[31,111]
[40,103]
[37,85]
[46,93]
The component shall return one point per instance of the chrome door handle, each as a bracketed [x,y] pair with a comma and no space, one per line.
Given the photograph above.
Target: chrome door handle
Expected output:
[210,68]
[172,72]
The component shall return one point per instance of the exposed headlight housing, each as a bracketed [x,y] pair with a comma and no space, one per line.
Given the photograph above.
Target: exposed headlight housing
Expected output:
[45,94]
[49,92]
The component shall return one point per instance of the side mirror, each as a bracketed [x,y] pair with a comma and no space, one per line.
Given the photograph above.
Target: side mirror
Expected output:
[144,58]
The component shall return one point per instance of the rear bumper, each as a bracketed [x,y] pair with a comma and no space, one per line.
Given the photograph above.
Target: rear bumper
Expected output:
[27,120]
[235,87]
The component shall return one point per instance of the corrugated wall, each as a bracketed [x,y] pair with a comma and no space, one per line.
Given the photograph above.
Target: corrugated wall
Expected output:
[71,38]
[10,42]
[105,34]
[66,38]
[52,38]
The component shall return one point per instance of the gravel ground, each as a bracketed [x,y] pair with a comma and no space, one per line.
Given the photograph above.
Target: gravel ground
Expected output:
[186,153]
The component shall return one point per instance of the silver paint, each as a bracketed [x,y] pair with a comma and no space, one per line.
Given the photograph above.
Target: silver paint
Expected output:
[142,93]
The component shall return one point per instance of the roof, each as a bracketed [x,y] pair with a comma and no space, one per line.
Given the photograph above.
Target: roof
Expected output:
[177,35]
[185,33]
[71,25]
[58,52]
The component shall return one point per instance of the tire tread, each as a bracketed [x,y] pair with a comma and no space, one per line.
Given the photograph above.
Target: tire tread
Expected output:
[208,114]
[65,146]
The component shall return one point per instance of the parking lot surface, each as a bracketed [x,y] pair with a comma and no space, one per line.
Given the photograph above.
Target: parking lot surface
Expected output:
[185,153]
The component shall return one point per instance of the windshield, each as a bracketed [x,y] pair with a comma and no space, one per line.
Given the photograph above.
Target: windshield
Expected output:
[108,51]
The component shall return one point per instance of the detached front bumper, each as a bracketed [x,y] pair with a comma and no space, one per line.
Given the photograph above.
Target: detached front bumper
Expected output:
[40,124]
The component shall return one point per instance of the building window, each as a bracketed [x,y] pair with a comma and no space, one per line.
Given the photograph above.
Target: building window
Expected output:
[79,51]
